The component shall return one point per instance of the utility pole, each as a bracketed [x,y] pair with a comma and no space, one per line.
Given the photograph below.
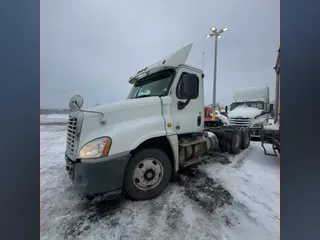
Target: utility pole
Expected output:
[217,35]
[203,62]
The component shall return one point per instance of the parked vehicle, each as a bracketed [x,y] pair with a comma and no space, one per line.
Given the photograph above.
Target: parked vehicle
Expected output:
[136,144]
[221,116]
[223,112]
[250,108]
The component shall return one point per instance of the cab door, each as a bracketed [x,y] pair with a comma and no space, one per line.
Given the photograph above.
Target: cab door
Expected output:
[187,110]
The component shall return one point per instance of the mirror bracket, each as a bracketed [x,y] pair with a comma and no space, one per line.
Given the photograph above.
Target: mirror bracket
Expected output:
[182,105]
[103,120]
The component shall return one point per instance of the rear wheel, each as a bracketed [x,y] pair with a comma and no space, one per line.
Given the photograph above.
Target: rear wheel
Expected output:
[147,174]
[246,138]
[222,145]
[221,134]
[235,142]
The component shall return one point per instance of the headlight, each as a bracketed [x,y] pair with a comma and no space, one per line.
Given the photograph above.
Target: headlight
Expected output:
[260,124]
[95,149]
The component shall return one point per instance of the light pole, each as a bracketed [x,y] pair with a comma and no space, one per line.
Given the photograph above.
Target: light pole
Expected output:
[216,34]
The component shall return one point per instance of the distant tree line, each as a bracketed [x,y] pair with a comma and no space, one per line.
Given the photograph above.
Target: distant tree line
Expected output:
[54,111]
[218,106]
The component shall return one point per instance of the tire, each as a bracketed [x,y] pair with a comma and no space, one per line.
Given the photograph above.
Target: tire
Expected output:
[228,148]
[149,162]
[221,135]
[236,142]
[246,138]
[222,145]
[228,141]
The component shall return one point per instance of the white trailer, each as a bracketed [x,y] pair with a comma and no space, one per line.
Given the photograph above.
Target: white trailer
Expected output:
[136,144]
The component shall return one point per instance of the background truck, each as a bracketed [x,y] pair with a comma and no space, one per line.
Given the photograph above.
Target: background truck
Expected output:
[136,144]
[250,108]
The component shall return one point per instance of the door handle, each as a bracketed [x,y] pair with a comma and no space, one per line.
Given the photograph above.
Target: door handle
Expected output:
[199,120]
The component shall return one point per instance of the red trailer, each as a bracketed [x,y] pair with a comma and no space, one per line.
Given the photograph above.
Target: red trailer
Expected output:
[207,113]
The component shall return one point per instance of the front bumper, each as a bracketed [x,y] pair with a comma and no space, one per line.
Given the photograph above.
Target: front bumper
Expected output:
[255,134]
[93,177]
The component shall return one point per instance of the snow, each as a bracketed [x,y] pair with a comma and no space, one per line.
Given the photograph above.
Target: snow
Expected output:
[54,118]
[226,197]
[223,118]
[255,187]
[274,126]
[271,121]
[242,111]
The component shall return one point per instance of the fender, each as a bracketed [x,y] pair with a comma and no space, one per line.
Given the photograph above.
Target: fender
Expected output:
[174,143]
[126,134]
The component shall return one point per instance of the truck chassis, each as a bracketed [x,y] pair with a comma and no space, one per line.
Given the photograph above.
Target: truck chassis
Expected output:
[272,137]
[231,138]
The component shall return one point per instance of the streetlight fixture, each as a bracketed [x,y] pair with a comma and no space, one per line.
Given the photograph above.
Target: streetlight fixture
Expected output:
[217,35]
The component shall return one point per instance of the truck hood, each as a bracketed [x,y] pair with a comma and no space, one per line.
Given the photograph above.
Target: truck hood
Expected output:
[245,112]
[125,105]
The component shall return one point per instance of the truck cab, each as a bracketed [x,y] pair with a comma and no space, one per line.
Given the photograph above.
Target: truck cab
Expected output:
[137,143]
[250,108]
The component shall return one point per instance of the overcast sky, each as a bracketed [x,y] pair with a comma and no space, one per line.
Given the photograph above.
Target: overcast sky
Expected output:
[92,47]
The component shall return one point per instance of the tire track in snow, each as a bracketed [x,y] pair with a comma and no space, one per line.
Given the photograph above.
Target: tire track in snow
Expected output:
[82,218]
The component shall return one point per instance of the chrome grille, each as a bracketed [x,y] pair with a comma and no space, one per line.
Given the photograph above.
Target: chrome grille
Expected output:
[240,121]
[72,135]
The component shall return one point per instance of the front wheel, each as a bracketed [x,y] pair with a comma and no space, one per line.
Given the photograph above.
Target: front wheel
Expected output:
[147,174]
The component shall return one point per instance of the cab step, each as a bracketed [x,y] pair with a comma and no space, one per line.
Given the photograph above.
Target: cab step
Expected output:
[191,162]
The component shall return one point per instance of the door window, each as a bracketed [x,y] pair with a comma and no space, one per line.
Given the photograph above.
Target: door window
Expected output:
[182,85]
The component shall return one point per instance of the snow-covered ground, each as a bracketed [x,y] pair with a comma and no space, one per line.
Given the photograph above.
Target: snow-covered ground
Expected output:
[53,119]
[272,126]
[225,197]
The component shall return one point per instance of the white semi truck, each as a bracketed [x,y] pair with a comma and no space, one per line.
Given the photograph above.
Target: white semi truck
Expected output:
[250,108]
[135,145]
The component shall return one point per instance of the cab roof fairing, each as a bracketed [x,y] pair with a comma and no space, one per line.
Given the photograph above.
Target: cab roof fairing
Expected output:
[174,60]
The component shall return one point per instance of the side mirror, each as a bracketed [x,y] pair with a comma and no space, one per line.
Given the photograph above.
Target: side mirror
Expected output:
[75,103]
[226,109]
[190,86]
[271,108]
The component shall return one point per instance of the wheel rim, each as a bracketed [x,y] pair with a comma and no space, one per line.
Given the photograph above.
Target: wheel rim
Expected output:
[147,174]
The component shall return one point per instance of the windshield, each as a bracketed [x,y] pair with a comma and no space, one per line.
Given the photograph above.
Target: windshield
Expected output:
[259,105]
[157,84]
